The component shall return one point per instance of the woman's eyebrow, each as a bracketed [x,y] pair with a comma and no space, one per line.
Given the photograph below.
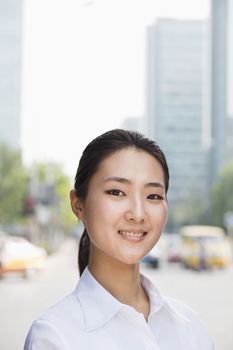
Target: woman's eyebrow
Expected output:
[117,179]
[155,184]
[126,181]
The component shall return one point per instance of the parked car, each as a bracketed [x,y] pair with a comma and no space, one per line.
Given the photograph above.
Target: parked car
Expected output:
[155,256]
[204,247]
[19,255]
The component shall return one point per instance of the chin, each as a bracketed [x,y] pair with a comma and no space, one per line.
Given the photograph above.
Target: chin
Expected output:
[131,260]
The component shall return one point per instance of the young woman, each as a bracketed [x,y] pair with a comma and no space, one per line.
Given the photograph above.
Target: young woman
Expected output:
[120,196]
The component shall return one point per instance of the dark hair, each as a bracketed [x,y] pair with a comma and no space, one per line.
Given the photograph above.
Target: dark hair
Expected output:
[96,151]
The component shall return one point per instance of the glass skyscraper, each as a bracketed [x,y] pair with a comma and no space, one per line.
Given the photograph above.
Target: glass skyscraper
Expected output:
[10,71]
[221,84]
[176,101]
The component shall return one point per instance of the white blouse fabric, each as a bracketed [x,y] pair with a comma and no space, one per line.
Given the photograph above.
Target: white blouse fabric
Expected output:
[91,318]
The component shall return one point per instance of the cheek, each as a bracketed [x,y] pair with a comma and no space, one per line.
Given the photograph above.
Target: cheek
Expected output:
[104,208]
[160,216]
[98,215]
[165,212]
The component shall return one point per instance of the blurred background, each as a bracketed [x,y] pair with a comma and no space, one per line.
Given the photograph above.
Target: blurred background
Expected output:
[73,69]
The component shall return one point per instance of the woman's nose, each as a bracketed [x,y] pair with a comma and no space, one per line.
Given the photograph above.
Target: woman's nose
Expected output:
[136,212]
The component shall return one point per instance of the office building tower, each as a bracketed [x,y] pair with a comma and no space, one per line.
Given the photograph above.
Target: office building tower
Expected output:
[10,71]
[229,144]
[176,102]
[230,63]
[219,54]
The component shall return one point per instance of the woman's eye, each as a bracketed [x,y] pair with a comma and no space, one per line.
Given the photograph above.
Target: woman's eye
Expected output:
[115,193]
[154,196]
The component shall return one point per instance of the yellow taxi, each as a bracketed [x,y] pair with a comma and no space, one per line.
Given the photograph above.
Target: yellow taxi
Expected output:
[204,246]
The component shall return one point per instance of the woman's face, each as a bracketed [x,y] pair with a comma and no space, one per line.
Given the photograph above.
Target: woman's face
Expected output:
[125,209]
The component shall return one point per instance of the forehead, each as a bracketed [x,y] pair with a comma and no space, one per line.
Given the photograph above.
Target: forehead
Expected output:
[131,163]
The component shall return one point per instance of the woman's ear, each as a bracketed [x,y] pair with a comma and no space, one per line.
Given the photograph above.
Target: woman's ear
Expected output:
[76,205]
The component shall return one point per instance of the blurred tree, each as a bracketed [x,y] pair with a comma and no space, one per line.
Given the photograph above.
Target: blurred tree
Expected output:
[13,179]
[63,187]
[51,179]
[221,196]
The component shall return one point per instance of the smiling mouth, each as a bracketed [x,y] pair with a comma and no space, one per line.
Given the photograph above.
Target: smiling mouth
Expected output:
[132,235]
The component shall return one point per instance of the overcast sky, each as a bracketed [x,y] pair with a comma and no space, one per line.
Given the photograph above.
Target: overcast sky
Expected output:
[84,70]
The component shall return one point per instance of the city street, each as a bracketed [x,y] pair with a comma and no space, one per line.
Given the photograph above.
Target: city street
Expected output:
[209,293]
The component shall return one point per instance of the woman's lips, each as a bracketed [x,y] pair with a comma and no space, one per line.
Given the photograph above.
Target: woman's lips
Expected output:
[132,236]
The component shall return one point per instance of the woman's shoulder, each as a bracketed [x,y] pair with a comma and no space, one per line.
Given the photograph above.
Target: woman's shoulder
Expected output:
[184,311]
[182,317]
[66,307]
[180,308]
[190,316]
[54,325]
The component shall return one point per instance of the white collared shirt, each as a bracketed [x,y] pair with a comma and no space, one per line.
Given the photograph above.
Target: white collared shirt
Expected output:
[91,318]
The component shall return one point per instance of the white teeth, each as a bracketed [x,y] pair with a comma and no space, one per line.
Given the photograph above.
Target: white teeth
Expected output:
[132,234]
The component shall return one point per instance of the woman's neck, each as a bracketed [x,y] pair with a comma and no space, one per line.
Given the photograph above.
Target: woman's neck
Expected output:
[122,281]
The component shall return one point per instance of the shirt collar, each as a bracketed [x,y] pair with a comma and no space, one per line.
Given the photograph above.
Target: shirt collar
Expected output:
[157,300]
[99,306]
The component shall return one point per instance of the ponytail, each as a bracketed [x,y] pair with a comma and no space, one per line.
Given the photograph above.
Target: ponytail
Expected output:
[84,252]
